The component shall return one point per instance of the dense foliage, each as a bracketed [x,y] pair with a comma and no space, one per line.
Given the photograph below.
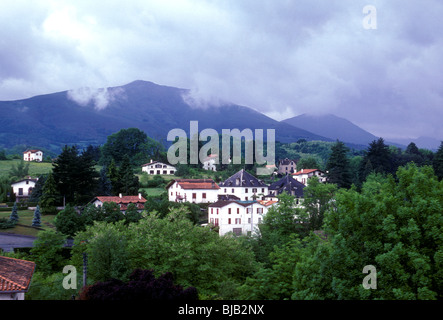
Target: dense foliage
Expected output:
[142,285]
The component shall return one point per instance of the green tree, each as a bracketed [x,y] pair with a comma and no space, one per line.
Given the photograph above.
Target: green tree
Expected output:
[394,226]
[36,221]
[104,183]
[14,214]
[318,197]
[378,158]
[75,175]
[47,252]
[338,166]
[135,144]
[437,162]
[128,180]
[37,191]
[19,170]
[193,254]
[50,197]
[69,222]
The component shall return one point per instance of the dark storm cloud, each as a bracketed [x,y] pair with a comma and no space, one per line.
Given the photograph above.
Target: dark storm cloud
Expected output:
[280,57]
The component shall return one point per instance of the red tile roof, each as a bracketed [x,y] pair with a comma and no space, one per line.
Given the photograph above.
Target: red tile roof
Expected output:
[195,184]
[305,171]
[122,200]
[15,274]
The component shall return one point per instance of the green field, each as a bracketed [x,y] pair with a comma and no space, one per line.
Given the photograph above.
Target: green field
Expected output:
[35,168]
[24,227]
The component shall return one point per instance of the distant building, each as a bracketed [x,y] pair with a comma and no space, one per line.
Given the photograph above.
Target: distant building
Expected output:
[33,155]
[23,188]
[157,167]
[211,162]
[287,166]
[15,278]
[122,201]
[304,174]
[193,190]
[245,186]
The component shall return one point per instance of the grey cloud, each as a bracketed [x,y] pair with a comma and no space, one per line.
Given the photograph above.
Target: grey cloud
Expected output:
[280,57]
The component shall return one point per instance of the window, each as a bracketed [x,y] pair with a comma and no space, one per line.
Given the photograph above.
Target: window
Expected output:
[194,196]
[246,190]
[246,198]
[249,210]
[225,190]
[233,190]
[20,191]
[229,210]
[254,190]
[229,221]
[259,210]
[204,196]
[237,221]
[238,210]
[249,220]
[216,221]
[217,210]
[237,231]
[263,190]
[212,210]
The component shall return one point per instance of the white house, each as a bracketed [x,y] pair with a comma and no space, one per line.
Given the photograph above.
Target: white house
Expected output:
[157,167]
[238,217]
[192,190]
[209,163]
[245,186]
[122,201]
[33,155]
[304,174]
[15,278]
[23,188]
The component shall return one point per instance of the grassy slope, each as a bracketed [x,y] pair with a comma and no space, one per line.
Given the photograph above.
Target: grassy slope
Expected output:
[35,168]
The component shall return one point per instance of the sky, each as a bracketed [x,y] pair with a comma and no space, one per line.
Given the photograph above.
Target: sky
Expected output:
[377,63]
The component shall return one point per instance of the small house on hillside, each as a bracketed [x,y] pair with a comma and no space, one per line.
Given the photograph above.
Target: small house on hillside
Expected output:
[193,190]
[23,188]
[304,174]
[33,155]
[287,166]
[157,167]
[122,201]
[15,278]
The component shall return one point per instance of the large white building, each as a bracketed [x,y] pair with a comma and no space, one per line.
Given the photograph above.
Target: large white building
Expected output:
[157,167]
[238,217]
[33,155]
[193,190]
[245,186]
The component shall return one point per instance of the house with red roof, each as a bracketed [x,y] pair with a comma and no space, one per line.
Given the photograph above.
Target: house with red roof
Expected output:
[304,174]
[122,201]
[193,190]
[15,278]
[33,155]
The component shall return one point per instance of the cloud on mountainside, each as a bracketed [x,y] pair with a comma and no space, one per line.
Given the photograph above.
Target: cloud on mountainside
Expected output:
[282,58]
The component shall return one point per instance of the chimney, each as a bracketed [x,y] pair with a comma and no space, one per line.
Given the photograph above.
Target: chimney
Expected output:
[302,170]
[151,161]
[120,195]
[140,196]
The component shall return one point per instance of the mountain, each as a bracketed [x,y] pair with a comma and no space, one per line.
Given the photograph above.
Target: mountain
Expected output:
[87,116]
[332,127]
[421,142]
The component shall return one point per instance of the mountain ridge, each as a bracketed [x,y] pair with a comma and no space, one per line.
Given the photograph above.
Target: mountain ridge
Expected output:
[87,116]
